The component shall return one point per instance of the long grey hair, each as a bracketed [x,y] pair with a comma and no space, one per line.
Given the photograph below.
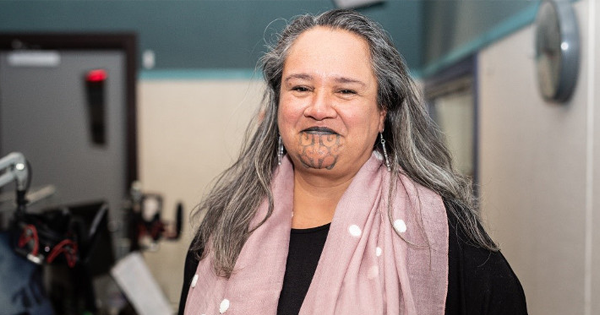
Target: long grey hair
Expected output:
[415,147]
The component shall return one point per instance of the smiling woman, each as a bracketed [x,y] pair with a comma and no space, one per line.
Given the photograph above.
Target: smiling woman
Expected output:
[328,113]
[344,200]
[328,118]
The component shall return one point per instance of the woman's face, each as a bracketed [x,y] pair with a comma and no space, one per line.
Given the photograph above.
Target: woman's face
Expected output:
[328,114]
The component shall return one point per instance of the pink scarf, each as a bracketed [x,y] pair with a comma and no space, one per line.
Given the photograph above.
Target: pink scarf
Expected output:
[365,267]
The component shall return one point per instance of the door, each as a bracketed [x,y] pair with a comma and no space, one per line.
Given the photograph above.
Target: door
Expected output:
[69,127]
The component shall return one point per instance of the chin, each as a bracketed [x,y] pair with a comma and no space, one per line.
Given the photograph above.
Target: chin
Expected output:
[317,162]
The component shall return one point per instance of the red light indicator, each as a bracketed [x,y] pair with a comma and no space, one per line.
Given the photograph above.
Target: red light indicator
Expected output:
[97,75]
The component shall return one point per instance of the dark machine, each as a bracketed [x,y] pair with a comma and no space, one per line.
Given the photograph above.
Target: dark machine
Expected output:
[60,251]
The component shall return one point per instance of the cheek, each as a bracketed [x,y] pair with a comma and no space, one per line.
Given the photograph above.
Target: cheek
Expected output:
[288,115]
[285,124]
[282,119]
[367,128]
[363,122]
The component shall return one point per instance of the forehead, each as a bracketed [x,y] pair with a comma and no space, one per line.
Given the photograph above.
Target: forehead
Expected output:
[330,49]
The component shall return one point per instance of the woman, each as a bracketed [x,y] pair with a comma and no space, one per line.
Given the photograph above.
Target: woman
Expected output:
[344,200]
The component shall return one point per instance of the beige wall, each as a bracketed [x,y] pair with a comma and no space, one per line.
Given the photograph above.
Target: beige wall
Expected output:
[189,131]
[593,89]
[593,94]
[535,162]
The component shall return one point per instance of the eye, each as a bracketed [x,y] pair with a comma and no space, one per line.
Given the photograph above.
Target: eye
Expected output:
[300,89]
[347,91]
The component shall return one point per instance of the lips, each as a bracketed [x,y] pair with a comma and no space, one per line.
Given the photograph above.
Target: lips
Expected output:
[319,130]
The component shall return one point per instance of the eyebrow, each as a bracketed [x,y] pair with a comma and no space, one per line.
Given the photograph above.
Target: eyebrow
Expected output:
[304,76]
[301,76]
[348,80]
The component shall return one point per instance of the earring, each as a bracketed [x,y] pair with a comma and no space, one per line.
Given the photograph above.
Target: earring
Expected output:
[385,156]
[279,151]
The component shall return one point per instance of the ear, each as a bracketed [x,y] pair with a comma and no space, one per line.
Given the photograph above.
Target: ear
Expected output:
[382,115]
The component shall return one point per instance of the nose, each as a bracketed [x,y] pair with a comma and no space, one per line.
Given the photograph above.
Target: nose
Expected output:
[320,107]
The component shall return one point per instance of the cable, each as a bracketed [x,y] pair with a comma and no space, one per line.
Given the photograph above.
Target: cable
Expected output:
[69,248]
[29,175]
[27,237]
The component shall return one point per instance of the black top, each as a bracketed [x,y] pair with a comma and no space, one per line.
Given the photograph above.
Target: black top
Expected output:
[480,282]
[305,250]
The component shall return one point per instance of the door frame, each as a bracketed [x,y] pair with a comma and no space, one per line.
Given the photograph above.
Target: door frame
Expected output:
[439,83]
[125,42]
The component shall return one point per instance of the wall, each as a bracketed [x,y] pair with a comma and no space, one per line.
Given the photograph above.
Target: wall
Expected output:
[593,189]
[202,34]
[538,172]
[189,131]
[453,30]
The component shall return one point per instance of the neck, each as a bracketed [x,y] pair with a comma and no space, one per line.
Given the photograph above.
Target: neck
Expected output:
[315,198]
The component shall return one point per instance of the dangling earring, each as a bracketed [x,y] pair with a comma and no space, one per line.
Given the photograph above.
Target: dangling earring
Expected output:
[279,151]
[385,156]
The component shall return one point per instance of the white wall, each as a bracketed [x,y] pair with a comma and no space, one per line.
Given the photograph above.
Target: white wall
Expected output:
[189,131]
[535,159]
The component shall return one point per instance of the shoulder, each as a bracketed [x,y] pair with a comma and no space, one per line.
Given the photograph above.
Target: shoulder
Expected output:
[480,281]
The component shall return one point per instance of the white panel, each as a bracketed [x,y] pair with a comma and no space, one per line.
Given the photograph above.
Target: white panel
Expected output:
[594,47]
[34,59]
[134,278]
[533,175]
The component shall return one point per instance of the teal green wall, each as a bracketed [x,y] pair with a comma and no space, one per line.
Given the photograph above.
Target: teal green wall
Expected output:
[207,35]
[455,29]
[225,38]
